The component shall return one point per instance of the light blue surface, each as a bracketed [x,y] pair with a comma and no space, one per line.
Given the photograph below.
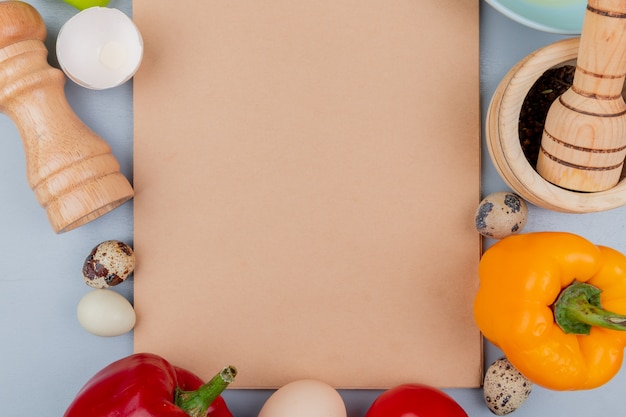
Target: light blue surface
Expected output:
[554,16]
[45,356]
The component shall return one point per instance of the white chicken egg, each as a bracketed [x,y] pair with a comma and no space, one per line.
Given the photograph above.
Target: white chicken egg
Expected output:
[105,313]
[99,48]
[304,398]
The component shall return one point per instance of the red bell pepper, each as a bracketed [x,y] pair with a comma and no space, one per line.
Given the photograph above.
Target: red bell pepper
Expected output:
[415,400]
[146,385]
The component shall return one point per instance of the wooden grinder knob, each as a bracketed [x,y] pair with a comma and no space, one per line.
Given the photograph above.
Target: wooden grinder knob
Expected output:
[584,139]
[71,170]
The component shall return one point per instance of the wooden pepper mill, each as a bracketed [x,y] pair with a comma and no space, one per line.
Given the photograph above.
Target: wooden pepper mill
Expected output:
[71,170]
[584,139]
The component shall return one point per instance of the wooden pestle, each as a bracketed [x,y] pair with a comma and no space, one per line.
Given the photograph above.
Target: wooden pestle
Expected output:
[584,139]
[71,170]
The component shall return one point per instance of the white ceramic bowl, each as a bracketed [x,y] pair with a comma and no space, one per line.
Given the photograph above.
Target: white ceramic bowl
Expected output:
[99,48]
[554,16]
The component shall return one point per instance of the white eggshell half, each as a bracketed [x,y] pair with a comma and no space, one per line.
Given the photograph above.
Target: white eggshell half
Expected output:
[105,313]
[99,48]
[304,398]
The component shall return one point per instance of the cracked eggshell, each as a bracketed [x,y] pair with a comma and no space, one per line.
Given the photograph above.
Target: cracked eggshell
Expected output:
[99,48]
[505,389]
[108,264]
[501,214]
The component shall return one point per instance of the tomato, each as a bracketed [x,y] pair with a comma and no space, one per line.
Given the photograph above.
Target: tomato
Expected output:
[415,400]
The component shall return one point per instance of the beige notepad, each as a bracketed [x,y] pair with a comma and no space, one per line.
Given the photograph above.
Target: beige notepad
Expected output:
[306,177]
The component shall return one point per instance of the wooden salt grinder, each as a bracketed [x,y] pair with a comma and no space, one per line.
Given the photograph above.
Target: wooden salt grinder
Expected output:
[584,139]
[71,170]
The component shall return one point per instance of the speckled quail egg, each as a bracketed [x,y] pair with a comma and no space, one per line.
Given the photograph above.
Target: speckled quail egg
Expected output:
[505,389]
[108,264]
[501,214]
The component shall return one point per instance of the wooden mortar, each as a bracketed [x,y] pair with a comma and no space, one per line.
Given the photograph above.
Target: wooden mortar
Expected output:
[71,170]
[584,139]
[504,143]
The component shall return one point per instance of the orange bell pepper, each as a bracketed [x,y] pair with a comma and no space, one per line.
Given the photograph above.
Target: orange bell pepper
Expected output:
[555,304]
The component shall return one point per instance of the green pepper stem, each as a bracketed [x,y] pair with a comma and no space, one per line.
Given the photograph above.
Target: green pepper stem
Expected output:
[578,309]
[196,403]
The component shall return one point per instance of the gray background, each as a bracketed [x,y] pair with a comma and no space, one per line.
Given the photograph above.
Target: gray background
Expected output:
[45,356]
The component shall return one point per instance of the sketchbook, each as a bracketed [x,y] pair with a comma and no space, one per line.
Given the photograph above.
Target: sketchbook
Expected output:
[306,177]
